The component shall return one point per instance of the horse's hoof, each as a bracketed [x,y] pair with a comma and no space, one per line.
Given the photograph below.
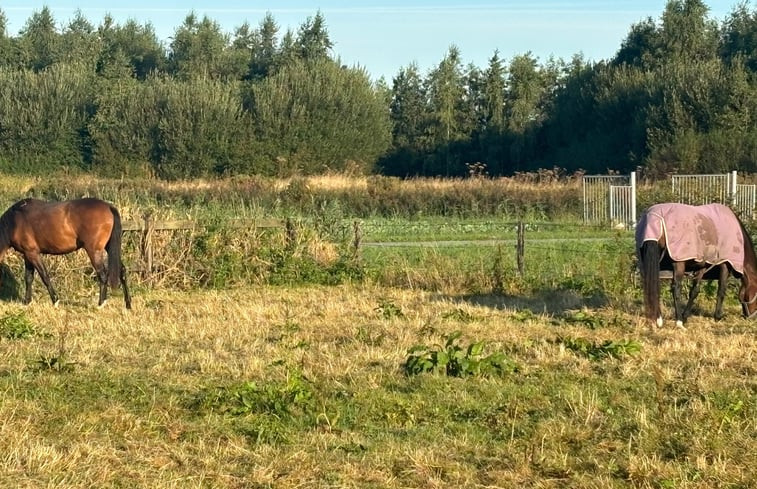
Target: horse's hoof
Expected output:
[56,303]
[101,305]
[659,322]
[679,324]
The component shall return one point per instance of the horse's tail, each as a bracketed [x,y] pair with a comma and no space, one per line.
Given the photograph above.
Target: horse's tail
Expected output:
[113,247]
[650,276]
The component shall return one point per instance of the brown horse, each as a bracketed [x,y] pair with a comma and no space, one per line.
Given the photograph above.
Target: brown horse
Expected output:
[34,227]
[707,242]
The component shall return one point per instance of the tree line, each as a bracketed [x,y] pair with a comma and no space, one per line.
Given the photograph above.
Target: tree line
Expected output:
[679,95]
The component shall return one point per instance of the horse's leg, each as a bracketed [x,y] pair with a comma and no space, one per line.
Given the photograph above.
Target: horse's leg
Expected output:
[722,286]
[693,293]
[127,296]
[98,263]
[678,271]
[32,262]
[28,280]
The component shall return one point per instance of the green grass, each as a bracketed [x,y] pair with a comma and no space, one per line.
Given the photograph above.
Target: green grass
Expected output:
[218,378]
[436,228]
[280,387]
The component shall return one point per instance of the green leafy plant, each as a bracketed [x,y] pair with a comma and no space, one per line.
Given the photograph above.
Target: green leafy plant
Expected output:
[56,362]
[606,349]
[290,397]
[523,315]
[455,360]
[16,326]
[584,318]
[459,315]
[388,309]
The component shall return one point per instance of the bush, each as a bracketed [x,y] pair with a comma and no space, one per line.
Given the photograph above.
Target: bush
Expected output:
[312,117]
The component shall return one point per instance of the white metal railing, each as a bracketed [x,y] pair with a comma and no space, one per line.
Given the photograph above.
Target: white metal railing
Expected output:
[704,189]
[723,188]
[622,206]
[745,200]
[610,199]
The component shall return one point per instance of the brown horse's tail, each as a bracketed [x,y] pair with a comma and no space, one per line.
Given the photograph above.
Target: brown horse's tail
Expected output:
[649,255]
[114,250]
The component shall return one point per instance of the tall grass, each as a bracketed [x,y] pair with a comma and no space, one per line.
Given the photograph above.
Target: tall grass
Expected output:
[355,196]
[324,211]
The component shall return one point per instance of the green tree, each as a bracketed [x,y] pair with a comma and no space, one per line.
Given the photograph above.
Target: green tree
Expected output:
[201,129]
[493,104]
[641,47]
[243,45]
[409,115]
[131,49]
[739,37]
[408,108]
[40,40]
[313,41]
[79,42]
[687,33]
[199,49]
[523,107]
[265,53]
[490,133]
[446,95]
[288,52]
[7,51]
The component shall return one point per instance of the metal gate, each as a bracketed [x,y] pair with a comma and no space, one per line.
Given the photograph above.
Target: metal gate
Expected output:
[724,188]
[622,206]
[704,189]
[610,199]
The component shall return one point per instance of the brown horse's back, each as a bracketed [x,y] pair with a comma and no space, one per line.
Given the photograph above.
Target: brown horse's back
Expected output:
[61,227]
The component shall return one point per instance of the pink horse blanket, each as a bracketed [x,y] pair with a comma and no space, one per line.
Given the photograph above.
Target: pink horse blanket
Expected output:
[706,234]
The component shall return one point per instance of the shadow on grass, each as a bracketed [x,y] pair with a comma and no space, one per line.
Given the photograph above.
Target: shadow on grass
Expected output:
[553,302]
[9,287]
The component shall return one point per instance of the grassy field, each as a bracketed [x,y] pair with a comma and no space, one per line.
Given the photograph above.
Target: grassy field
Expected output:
[305,387]
[387,366]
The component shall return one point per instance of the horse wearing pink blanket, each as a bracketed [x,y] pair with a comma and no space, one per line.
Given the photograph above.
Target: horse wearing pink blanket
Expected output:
[706,241]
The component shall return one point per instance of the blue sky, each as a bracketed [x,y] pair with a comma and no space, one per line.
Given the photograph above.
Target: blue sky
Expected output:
[386,35]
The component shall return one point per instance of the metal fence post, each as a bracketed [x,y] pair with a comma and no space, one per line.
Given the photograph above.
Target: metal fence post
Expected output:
[633,199]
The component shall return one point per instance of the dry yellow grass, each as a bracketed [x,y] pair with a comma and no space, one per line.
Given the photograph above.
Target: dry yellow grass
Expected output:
[121,415]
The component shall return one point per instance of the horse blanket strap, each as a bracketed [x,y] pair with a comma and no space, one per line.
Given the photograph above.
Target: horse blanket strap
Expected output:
[706,233]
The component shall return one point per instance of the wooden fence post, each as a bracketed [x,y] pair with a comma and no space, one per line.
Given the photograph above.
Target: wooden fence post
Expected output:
[356,239]
[146,245]
[291,235]
[520,247]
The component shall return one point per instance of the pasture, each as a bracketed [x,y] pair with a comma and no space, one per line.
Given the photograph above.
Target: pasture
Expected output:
[249,361]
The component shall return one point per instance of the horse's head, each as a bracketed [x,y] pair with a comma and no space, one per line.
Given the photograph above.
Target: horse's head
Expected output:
[748,298]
